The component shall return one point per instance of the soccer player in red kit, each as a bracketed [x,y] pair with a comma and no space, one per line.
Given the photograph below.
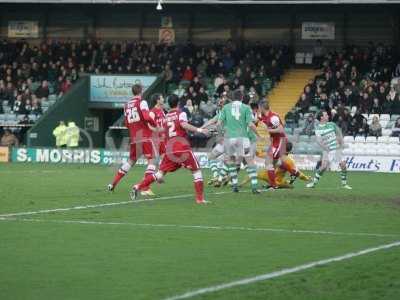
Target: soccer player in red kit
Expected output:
[178,151]
[278,140]
[159,136]
[158,115]
[137,120]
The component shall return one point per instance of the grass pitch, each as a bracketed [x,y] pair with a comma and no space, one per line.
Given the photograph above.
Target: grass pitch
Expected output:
[169,246]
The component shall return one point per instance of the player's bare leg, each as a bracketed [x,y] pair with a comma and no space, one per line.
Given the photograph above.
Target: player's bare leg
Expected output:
[122,171]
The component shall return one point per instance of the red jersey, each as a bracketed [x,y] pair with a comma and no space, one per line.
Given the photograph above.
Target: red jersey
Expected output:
[158,115]
[272,121]
[136,113]
[177,136]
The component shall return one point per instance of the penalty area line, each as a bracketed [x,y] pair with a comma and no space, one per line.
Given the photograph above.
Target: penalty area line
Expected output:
[204,227]
[267,276]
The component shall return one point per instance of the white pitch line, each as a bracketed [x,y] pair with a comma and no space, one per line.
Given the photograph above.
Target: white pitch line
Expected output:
[45,211]
[267,276]
[205,227]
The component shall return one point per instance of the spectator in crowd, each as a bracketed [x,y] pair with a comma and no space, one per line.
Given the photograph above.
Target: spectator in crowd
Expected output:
[9,139]
[363,128]
[304,103]
[375,129]
[309,125]
[396,128]
[42,92]
[318,53]
[376,108]
[208,109]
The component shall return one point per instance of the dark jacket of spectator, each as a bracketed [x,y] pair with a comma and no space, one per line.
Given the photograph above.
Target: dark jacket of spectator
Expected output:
[396,128]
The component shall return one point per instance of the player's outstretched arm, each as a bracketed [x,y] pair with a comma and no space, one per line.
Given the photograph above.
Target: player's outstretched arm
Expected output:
[210,122]
[189,127]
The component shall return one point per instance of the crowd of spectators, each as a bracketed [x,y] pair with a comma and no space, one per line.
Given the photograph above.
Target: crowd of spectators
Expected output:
[29,73]
[354,82]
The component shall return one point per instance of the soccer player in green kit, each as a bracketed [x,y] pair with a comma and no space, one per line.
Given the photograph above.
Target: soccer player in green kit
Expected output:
[236,119]
[330,138]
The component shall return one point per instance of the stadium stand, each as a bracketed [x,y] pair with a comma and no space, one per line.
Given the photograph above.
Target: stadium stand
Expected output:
[359,89]
[33,77]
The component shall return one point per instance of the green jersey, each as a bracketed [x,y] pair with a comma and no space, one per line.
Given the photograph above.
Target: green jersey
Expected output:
[236,118]
[327,135]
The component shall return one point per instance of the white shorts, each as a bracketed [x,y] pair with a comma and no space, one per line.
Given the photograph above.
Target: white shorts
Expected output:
[217,151]
[237,147]
[333,158]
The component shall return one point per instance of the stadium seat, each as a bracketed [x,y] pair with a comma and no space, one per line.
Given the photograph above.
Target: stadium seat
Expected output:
[395,151]
[309,58]
[348,139]
[20,117]
[389,125]
[384,117]
[384,123]
[370,151]
[371,116]
[300,58]
[383,139]
[348,151]
[394,140]
[394,117]
[381,151]
[304,138]
[365,116]
[359,139]
[386,132]
[371,139]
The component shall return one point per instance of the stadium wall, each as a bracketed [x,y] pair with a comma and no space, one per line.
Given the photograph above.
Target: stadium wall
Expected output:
[204,24]
[384,164]
[73,106]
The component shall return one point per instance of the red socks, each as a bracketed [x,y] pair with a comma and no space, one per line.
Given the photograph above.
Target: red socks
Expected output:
[118,177]
[199,189]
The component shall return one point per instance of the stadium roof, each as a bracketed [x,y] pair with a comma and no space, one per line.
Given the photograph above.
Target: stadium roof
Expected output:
[208,1]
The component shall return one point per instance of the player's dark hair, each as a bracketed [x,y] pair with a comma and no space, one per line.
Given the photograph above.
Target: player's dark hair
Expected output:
[289,147]
[173,101]
[254,105]
[246,99]
[237,95]
[320,114]
[137,89]
[153,99]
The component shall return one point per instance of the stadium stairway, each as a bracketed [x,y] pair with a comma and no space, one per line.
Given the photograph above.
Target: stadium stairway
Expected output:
[285,94]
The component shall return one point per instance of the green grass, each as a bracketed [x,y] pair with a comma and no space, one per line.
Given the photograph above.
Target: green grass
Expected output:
[48,259]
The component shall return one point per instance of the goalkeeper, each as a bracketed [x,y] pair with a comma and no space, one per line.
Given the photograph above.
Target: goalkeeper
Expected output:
[288,166]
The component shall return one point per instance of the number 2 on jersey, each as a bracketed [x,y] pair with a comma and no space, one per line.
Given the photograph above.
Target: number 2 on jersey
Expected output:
[171,129]
[132,115]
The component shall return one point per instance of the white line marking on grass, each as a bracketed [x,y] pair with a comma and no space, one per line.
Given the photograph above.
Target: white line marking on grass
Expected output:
[204,227]
[45,211]
[279,273]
